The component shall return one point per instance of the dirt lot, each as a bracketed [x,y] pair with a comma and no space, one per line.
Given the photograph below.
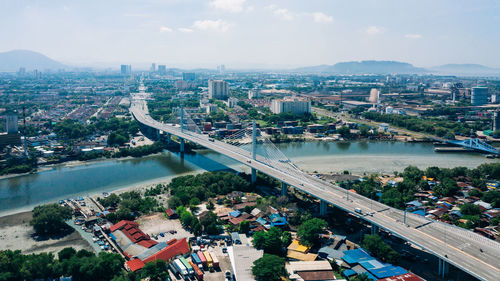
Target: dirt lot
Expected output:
[15,234]
[156,223]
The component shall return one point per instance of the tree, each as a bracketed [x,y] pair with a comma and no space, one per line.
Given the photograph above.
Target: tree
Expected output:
[309,231]
[269,268]
[50,219]
[378,248]
[111,201]
[271,241]
[156,270]
[470,209]
[286,238]
[244,227]
[344,131]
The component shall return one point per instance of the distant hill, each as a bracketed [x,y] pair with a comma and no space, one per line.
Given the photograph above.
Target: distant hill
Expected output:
[466,69]
[364,67]
[13,60]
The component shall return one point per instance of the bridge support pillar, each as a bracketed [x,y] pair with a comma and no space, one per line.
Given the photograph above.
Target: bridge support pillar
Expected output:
[443,268]
[169,138]
[254,176]
[322,207]
[157,135]
[182,146]
[284,187]
[374,229]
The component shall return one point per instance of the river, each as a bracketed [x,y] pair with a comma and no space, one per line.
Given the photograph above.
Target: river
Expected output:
[24,192]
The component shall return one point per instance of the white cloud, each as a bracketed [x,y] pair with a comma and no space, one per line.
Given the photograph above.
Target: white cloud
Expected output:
[284,14]
[232,6]
[184,29]
[320,17]
[165,29]
[214,25]
[413,36]
[374,30]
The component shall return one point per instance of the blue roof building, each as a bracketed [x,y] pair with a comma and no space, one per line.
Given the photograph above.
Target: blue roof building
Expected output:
[356,256]
[387,271]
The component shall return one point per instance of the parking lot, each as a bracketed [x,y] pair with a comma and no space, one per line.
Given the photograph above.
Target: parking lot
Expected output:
[156,224]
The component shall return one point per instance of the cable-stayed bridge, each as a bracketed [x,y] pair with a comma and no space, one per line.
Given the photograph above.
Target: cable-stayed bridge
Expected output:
[473,253]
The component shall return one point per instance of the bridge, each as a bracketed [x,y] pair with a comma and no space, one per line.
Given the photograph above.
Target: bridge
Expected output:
[475,144]
[473,253]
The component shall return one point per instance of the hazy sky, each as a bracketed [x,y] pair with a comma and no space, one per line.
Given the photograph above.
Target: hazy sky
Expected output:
[247,33]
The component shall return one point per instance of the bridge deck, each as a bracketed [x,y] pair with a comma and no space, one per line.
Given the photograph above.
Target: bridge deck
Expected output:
[457,246]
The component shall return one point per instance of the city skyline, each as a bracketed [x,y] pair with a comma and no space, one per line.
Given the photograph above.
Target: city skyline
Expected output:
[287,33]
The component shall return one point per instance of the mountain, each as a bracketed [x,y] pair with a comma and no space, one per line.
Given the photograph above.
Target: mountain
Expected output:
[13,60]
[365,67]
[466,69]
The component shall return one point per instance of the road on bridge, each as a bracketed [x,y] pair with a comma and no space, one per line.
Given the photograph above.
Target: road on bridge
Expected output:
[475,254]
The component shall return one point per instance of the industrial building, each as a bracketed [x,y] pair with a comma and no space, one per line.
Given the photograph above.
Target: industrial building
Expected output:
[293,105]
[218,89]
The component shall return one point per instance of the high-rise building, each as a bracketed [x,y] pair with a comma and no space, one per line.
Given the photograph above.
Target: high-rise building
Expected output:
[22,71]
[153,67]
[496,121]
[253,94]
[221,68]
[126,69]
[479,95]
[293,105]
[218,89]
[188,76]
[11,126]
[162,69]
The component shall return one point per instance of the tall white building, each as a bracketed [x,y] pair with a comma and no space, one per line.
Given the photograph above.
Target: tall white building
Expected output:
[218,89]
[293,105]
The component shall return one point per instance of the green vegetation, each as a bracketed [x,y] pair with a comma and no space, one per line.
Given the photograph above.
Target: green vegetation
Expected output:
[433,126]
[204,186]
[50,219]
[269,268]
[273,241]
[308,233]
[131,205]
[379,249]
[18,165]
[120,129]
[82,265]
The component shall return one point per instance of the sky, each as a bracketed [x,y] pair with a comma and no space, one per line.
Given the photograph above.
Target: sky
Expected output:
[254,33]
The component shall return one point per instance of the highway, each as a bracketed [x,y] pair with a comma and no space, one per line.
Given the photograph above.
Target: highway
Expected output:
[475,254]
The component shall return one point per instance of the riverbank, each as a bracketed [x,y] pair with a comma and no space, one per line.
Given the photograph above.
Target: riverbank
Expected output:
[16,234]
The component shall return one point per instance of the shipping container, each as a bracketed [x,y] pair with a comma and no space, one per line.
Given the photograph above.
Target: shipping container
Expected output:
[181,269]
[210,263]
[215,261]
[202,259]
[189,268]
[196,259]
[197,271]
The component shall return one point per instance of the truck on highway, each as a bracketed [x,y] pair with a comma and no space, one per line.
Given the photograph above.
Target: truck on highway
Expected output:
[358,210]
